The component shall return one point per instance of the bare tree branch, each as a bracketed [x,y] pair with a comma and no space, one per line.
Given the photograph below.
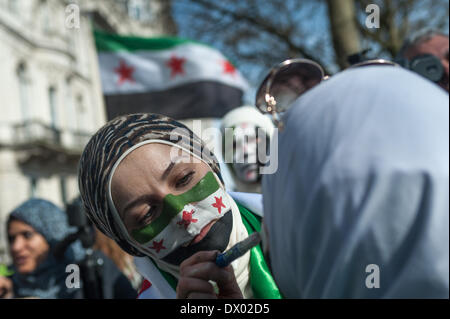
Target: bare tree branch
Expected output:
[256,34]
[284,35]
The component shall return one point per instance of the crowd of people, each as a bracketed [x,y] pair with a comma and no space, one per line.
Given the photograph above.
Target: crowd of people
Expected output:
[362,180]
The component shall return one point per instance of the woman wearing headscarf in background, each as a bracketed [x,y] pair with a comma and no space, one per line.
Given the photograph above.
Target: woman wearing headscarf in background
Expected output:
[359,205]
[252,132]
[149,183]
[34,228]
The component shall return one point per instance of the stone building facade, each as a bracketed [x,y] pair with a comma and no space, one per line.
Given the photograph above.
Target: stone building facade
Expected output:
[50,93]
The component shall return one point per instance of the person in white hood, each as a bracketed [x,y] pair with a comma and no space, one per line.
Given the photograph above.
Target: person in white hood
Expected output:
[246,140]
[359,206]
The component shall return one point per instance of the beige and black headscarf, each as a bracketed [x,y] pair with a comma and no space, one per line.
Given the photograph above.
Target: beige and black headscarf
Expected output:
[109,144]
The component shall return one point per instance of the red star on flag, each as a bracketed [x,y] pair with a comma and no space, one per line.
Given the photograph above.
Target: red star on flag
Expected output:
[228,68]
[187,219]
[158,246]
[125,72]
[218,204]
[145,285]
[176,65]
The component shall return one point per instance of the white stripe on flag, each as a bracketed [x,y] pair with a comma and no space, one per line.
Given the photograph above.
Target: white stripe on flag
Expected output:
[150,70]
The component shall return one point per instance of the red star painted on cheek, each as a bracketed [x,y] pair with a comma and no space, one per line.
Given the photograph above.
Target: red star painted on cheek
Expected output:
[176,65]
[158,246]
[125,72]
[228,68]
[187,219]
[218,204]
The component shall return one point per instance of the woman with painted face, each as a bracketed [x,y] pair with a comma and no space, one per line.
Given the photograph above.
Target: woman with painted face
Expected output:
[34,228]
[245,149]
[151,185]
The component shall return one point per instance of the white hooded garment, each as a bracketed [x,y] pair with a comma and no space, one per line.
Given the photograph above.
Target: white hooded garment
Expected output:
[363,179]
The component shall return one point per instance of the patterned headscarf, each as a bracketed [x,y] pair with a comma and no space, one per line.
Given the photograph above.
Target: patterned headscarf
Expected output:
[109,144]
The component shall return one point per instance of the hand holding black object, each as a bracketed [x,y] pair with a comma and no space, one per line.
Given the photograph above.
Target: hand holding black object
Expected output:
[197,270]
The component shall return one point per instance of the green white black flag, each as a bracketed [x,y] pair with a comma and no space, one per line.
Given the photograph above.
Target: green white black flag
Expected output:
[171,76]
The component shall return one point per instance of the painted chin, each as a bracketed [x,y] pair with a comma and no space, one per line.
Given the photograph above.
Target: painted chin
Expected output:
[202,233]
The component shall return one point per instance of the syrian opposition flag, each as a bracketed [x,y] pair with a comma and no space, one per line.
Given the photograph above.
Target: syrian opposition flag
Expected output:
[170,76]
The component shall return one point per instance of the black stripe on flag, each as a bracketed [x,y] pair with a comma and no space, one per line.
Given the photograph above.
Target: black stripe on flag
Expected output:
[192,100]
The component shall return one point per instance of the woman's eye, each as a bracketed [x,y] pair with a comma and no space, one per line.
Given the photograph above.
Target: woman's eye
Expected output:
[145,220]
[27,235]
[184,180]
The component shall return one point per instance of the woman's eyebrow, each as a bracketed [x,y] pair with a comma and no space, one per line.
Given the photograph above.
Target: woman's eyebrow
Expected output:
[175,161]
[20,233]
[167,170]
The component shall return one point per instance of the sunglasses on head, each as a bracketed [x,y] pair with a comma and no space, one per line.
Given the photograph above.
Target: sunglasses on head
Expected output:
[290,79]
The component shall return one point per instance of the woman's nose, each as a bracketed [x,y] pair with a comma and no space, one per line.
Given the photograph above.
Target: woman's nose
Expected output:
[18,244]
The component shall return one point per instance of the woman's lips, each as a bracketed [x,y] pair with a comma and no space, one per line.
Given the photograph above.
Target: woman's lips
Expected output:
[203,232]
[20,260]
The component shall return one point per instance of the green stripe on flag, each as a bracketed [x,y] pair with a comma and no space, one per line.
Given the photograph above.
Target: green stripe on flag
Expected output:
[113,42]
[173,205]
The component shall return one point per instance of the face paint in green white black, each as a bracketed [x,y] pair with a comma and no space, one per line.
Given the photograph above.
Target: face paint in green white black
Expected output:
[184,216]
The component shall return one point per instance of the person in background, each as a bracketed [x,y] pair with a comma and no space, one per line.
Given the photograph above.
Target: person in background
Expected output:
[251,133]
[34,228]
[428,51]
[359,206]
[120,258]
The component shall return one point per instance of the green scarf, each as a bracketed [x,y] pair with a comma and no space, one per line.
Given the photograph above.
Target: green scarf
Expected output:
[261,280]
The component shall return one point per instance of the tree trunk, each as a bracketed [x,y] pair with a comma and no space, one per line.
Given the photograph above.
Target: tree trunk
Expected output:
[344,30]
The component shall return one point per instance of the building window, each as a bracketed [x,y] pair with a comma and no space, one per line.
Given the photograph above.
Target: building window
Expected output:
[138,10]
[24,91]
[33,187]
[52,98]
[137,13]
[63,186]
[52,104]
